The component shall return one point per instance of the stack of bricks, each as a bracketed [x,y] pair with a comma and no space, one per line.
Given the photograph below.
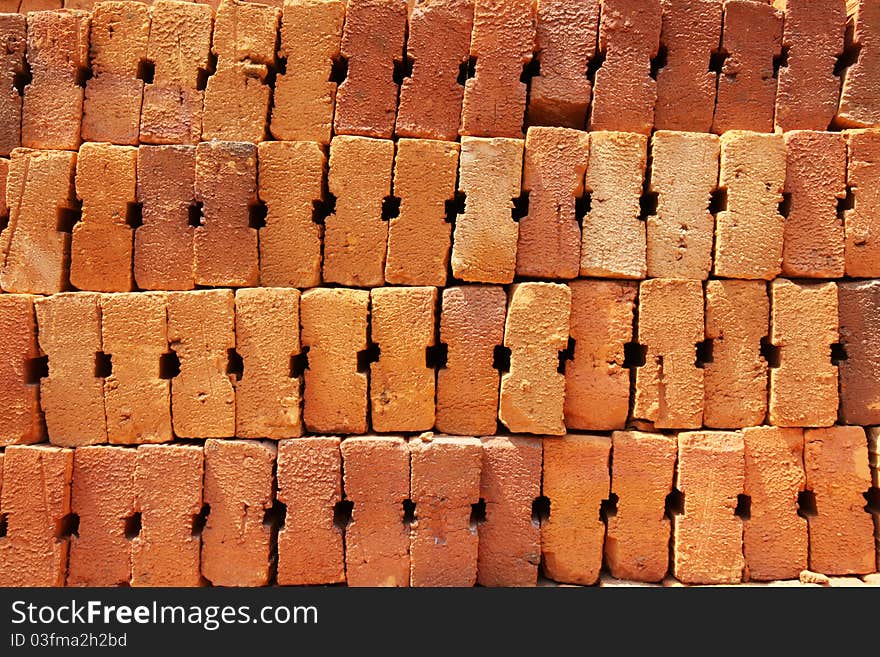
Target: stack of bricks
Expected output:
[395,294]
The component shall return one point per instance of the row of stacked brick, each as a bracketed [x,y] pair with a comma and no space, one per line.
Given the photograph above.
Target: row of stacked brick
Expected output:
[174,73]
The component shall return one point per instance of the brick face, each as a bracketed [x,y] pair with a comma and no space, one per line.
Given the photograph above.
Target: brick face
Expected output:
[13,40]
[859,99]
[20,415]
[861,245]
[859,318]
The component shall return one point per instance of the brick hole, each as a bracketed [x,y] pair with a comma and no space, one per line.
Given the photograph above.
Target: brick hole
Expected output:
[103,365]
[780,61]
[234,364]
[4,222]
[785,205]
[390,208]
[195,216]
[273,70]
[648,204]
[743,509]
[321,209]
[146,71]
[594,65]
[83,75]
[582,206]
[409,512]
[478,513]
[200,520]
[704,353]
[134,215]
[848,202]
[454,207]
[531,69]
[403,68]
[436,356]
[806,503]
[67,218]
[4,525]
[275,516]
[660,61]
[207,72]
[342,512]
[299,363]
[339,69]
[838,353]
[673,505]
[717,59]
[566,355]
[22,78]
[501,358]
[367,356]
[872,497]
[608,508]
[67,526]
[718,201]
[770,352]
[257,213]
[36,369]
[467,70]
[851,51]
[169,365]
[634,355]
[520,206]
[540,510]
[133,526]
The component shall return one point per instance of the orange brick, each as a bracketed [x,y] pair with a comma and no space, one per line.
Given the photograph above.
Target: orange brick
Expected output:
[862,220]
[376,473]
[596,381]
[20,416]
[13,39]
[334,330]
[201,331]
[471,326]
[859,98]
[419,238]
[310,549]
[859,318]
[708,536]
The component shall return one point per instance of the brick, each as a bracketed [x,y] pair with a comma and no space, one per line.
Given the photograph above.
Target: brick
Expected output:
[859,100]
[859,318]
[735,377]
[471,326]
[179,47]
[114,94]
[401,382]
[373,38]
[444,482]
[168,495]
[35,502]
[163,245]
[37,180]
[637,540]
[596,380]
[548,244]
[502,42]
[749,230]
[201,331]
[535,331]
[304,98]
[669,386]
[684,173]
[21,419]
[310,549]
[103,497]
[485,237]
[613,243]
[707,536]
[72,396]
[4,209]
[804,325]
[356,233]
[690,34]
[376,475]
[225,244]
[420,237]
[334,330]
[861,247]
[101,247]
[13,39]
[268,399]
[438,43]
[510,542]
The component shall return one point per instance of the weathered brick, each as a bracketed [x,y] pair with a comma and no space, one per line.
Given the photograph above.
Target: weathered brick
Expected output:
[859,319]
[13,39]
[862,220]
[20,416]
[859,98]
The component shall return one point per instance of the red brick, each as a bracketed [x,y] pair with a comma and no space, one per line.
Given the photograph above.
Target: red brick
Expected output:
[20,416]
[637,541]
[310,549]
[484,243]
[535,331]
[201,331]
[419,238]
[334,330]
[356,234]
[859,98]
[27,6]
[373,39]
[549,243]
[438,43]
[510,542]
[861,244]
[859,318]
[13,39]
[708,536]
[376,474]
[267,398]
[471,326]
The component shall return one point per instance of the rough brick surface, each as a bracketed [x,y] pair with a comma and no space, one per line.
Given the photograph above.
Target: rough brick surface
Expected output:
[13,40]
[862,221]
[859,318]
[20,416]
[859,98]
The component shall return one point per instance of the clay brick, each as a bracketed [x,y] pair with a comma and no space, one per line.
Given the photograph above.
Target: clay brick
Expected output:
[168,495]
[201,331]
[637,541]
[471,326]
[596,381]
[735,376]
[859,318]
[535,331]
[419,238]
[310,549]
[484,243]
[102,242]
[669,386]
[20,416]
[27,6]
[401,382]
[376,474]
[13,39]
[445,482]
[708,536]
[749,231]
[804,325]
[690,34]
[113,96]
[267,397]
[36,499]
[859,98]
[613,243]
[334,330]
[39,193]
[438,43]
[72,396]
[576,480]
[179,47]
[549,242]
[861,244]
[774,536]
[510,542]
[103,497]
[684,173]
[304,98]
[373,39]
